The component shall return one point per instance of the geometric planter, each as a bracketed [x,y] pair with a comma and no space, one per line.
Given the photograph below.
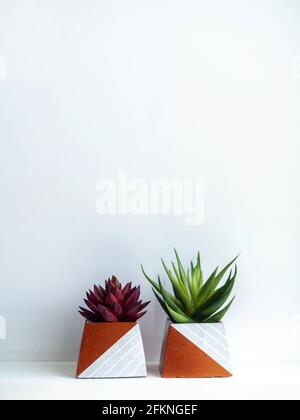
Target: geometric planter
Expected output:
[195,351]
[111,350]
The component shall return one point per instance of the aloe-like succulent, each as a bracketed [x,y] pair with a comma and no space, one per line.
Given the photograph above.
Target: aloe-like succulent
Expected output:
[194,301]
[113,303]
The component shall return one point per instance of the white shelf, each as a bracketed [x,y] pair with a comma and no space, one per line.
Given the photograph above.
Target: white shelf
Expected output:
[55,380]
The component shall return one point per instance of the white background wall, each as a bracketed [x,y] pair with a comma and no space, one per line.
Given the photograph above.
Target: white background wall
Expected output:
[160,88]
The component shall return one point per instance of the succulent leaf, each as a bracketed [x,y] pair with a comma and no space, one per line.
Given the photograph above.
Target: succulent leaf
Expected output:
[126,289]
[177,283]
[95,299]
[111,299]
[179,290]
[162,302]
[90,316]
[98,292]
[206,290]
[194,300]
[169,300]
[119,296]
[177,274]
[220,276]
[155,285]
[176,317]
[113,303]
[195,283]
[116,309]
[181,271]
[138,316]
[107,314]
[217,300]
[135,309]
[219,315]
[132,297]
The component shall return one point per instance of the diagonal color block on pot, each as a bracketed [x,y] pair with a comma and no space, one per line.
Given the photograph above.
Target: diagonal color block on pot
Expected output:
[209,338]
[125,358]
[181,358]
[97,338]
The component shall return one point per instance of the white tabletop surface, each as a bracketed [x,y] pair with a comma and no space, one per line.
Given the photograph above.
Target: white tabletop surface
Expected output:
[55,380]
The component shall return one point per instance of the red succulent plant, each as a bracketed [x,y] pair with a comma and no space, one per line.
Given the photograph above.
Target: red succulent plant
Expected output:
[113,303]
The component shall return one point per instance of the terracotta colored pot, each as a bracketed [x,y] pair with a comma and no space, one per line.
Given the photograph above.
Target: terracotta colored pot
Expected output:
[111,350]
[195,351]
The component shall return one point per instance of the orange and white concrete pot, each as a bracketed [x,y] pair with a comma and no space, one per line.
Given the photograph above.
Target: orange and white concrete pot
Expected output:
[111,350]
[195,351]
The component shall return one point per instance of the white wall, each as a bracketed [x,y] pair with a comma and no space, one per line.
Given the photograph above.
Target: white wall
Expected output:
[160,88]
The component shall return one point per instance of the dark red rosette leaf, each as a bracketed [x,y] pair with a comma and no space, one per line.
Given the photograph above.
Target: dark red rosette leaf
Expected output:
[113,303]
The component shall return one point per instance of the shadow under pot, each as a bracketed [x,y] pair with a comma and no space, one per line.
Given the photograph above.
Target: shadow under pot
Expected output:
[111,350]
[195,351]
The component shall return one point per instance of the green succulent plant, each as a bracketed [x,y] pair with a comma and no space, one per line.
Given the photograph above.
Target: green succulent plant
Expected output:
[194,300]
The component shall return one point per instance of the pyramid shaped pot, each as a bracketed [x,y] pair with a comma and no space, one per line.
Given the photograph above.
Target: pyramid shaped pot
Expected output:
[195,351]
[111,350]
[195,345]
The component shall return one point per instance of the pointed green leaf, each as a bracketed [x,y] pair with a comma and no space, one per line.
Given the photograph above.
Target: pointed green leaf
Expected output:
[201,280]
[192,268]
[212,283]
[154,285]
[179,290]
[175,284]
[199,260]
[206,290]
[195,284]
[157,288]
[162,303]
[169,300]
[173,280]
[217,300]
[177,274]
[219,277]
[180,319]
[182,272]
[169,273]
[219,316]
[189,280]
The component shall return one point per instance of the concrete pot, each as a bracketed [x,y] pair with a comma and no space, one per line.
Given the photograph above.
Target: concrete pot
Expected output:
[111,350]
[195,351]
